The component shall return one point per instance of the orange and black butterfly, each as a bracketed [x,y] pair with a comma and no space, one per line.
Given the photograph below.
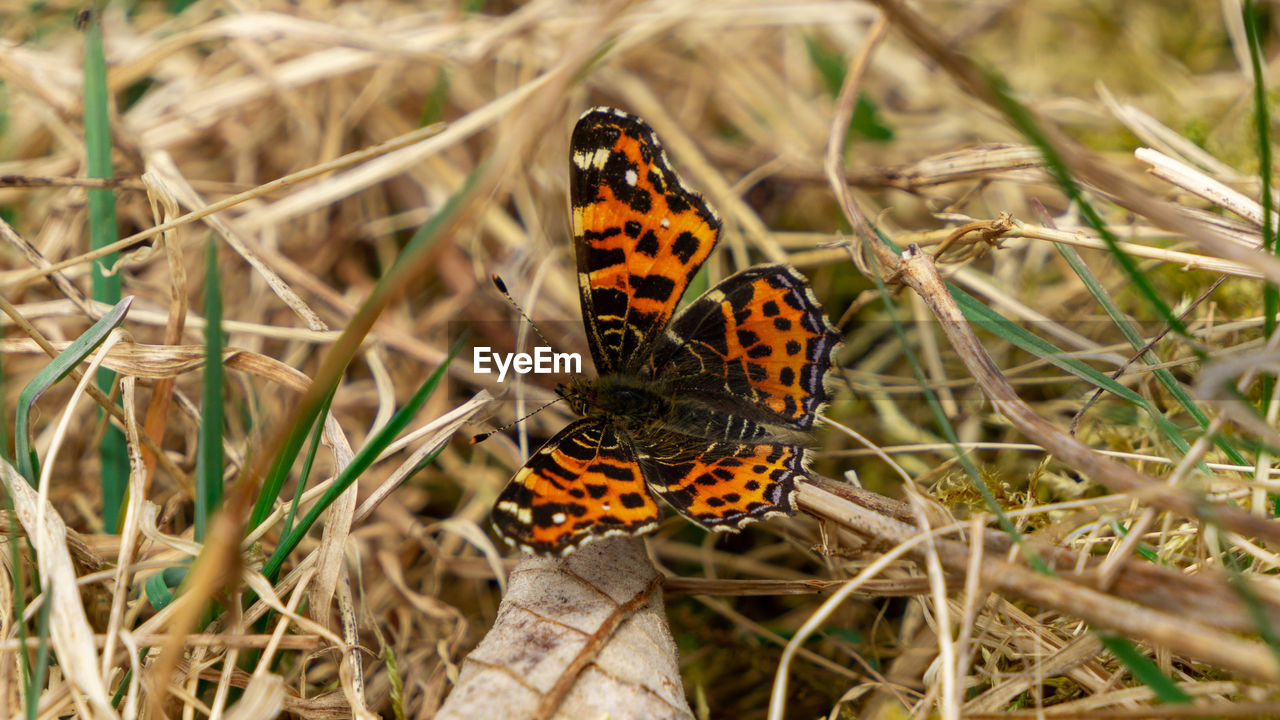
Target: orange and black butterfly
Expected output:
[709,411]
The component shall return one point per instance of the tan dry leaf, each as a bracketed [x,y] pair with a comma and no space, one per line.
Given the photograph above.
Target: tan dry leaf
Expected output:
[578,637]
[156,362]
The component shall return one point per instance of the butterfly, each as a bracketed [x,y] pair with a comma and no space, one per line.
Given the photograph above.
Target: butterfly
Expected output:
[710,411]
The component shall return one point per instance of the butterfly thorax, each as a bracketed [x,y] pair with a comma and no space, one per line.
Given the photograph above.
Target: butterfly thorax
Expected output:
[617,397]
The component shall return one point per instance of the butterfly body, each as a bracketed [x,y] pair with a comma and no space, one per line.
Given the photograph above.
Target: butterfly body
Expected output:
[709,410]
[646,408]
[618,398]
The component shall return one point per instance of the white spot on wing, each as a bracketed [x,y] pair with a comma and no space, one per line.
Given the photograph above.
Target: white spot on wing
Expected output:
[588,159]
[631,177]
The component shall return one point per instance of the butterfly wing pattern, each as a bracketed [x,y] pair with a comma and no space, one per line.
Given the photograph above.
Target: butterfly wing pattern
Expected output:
[763,334]
[640,235]
[725,485]
[585,481]
[709,410]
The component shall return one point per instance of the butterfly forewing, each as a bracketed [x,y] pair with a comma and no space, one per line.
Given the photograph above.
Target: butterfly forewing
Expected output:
[640,234]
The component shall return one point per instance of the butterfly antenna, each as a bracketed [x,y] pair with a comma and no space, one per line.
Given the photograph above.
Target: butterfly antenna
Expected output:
[502,288]
[477,439]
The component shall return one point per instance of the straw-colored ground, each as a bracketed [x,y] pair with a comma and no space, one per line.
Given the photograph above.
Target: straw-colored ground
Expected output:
[219,99]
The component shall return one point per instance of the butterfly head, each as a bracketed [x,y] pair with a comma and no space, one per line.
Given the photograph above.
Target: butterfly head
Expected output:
[579,393]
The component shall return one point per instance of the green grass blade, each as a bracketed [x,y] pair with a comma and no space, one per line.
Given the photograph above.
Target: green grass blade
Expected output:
[1100,294]
[1166,378]
[160,588]
[273,484]
[4,419]
[1241,583]
[865,120]
[1142,549]
[317,433]
[158,592]
[361,462]
[19,601]
[1262,121]
[1011,332]
[1000,326]
[948,431]
[978,314]
[41,668]
[1143,670]
[437,100]
[1026,124]
[312,404]
[58,368]
[984,317]
[123,687]
[209,461]
[113,453]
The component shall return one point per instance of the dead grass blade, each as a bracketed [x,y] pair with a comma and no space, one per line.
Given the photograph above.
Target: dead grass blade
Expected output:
[70,633]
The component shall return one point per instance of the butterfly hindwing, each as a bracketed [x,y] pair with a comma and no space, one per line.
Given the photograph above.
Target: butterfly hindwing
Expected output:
[584,483]
[640,235]
[762,332]
[725,485]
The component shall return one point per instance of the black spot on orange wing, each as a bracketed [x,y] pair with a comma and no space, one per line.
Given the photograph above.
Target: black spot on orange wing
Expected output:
[544,509]
[640,235]
[648,244]
[725,485]
[762,332]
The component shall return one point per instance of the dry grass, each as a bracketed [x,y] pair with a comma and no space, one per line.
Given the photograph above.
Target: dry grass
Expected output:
[217,101]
